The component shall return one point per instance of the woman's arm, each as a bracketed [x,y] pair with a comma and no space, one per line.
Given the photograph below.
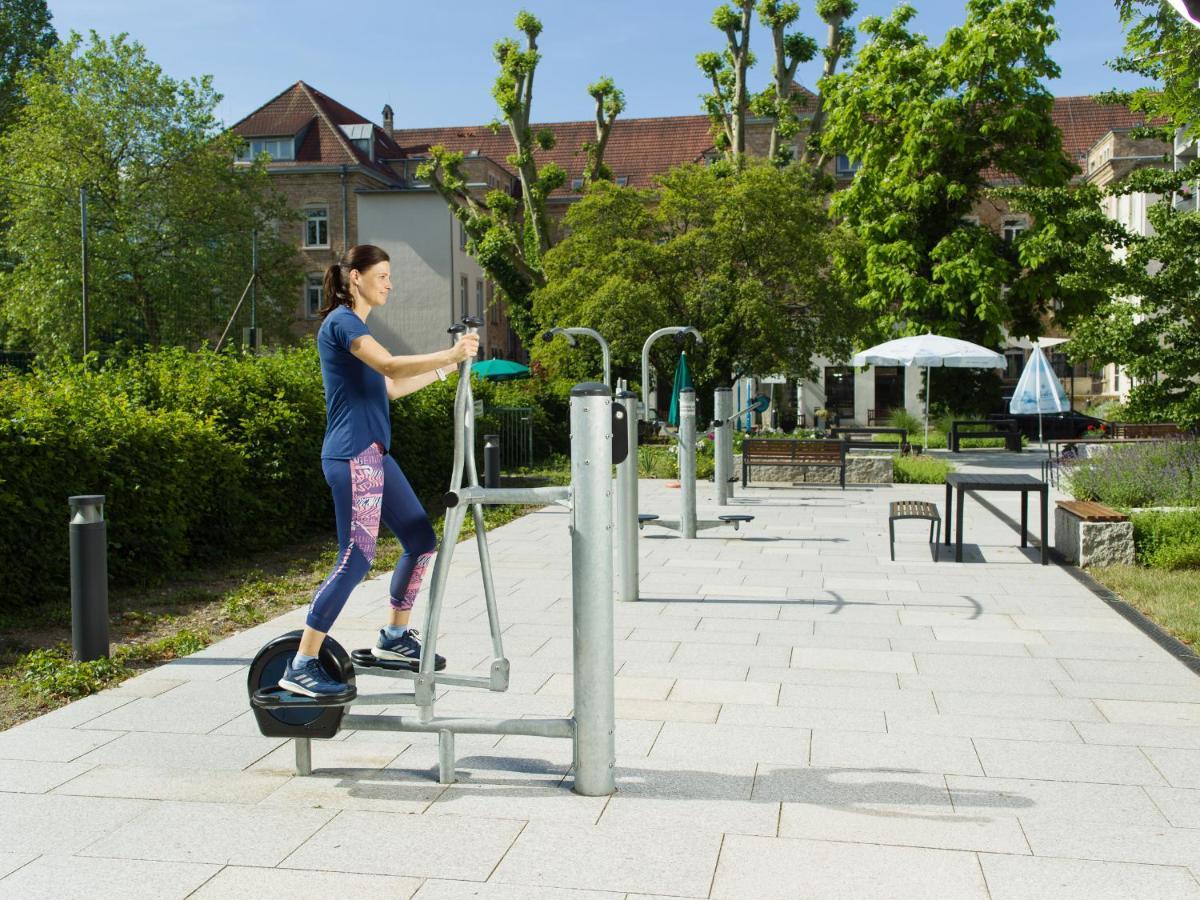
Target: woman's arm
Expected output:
[399,387]
[371,352]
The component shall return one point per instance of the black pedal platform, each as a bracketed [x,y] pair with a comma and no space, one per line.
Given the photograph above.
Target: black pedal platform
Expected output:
[366,659]
[281,698]
[736,520]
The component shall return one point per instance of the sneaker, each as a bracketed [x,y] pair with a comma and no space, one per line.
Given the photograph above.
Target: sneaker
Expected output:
[405,649]
[311,680]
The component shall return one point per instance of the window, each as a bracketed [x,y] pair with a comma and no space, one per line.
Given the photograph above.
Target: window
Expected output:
[314,295]
[479,300]
[316,226]
[283,148]
[1011,228]
[621,180]
[577,184]
[492,304]
[462,236]
[462,296]
[1014,362]
[970,220]
[839,391]
[1116,379]
[844,167]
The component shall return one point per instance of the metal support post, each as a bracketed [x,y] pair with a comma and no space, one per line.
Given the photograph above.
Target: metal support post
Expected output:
[687,462]
[446,757]
[592,587]
[89,577]
[626,508]
[303,756]
[646,414]
[491,460]
[723,442]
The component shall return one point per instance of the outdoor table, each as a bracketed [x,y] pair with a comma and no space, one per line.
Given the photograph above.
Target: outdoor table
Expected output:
[963,482]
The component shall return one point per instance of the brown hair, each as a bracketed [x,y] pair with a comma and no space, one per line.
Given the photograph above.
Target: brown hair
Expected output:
[337,276]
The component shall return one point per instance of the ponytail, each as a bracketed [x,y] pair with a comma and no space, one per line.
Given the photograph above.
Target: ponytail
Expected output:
[337,276]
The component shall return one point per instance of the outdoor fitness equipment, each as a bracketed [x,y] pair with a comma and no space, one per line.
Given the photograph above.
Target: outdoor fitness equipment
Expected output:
[722,427]
[569,334]
[593,450]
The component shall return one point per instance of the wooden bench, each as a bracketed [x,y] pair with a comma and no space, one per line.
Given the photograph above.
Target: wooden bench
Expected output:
[989,428]
[877,415]
[776,452]
[1146,430]
[914,509]
[1092,534]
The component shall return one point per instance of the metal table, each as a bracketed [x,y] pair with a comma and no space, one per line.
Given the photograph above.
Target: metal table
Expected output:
[963,482]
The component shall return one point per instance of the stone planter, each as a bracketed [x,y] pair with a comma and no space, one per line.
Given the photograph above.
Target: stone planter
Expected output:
[861,468]
[1092,543]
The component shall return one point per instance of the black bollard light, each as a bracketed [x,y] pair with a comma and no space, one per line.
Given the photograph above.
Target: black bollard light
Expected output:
[491,460]
[89,577]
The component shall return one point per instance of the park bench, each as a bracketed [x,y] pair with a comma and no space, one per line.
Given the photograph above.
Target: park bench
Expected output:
[847,434]
[1089,534]
[986,428]
[914,509]
[776,452]
[1146,430]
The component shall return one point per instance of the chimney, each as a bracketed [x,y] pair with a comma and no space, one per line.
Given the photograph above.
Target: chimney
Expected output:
[387,119]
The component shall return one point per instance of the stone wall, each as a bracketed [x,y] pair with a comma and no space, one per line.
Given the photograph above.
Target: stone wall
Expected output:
[1092,543]
[861,468]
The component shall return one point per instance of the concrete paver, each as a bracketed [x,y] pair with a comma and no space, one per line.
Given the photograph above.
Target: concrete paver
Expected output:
[796,714]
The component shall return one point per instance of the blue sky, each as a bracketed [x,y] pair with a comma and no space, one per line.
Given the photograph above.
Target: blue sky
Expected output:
[433,64]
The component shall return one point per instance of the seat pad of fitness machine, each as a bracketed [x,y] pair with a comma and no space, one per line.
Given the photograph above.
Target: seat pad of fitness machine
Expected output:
[364,658]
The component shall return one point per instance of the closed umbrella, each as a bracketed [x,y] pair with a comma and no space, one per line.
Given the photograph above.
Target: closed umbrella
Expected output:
[683,378]
[1038,390]
[929,350]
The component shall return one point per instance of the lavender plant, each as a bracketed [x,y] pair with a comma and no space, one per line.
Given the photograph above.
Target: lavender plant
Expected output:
[1140,475]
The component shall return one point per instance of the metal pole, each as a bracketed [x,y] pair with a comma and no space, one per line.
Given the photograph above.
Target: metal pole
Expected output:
[592,587]
[670,329]
[83,233]
[626,507]
[89,577]
[723,442]
[687,462]
[253,289]
[491,460]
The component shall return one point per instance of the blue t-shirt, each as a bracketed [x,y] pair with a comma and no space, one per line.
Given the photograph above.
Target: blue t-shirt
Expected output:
[356,401]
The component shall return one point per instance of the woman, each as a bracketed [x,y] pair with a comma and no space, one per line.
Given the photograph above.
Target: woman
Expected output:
[360,378]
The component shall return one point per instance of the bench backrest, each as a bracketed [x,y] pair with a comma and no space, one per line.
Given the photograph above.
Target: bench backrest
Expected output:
[1089,511]
[759,450]
[1146,429]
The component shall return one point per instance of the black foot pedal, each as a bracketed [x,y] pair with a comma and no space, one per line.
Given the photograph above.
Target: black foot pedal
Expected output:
[736,520]
[366,659]
[281,698]
[643,518]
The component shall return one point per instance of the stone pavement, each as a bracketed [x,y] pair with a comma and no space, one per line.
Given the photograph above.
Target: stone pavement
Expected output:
[797,717]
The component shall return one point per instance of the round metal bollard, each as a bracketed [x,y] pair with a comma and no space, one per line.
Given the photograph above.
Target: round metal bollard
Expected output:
[491,460]
[89,577]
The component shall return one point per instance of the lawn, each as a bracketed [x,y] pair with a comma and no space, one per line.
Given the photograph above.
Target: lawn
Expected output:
[1170,598]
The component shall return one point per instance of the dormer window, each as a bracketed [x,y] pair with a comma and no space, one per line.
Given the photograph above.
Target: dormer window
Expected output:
[278,148]
[362,136]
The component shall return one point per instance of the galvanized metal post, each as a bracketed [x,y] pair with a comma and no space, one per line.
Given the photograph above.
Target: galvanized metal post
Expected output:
[592,587]
[687,462]
[626,507]
[89,577]
[723,442]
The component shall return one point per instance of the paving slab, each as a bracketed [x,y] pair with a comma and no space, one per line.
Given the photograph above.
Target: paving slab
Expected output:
[40,823]
[55,876]
[1012,877]
[258,883]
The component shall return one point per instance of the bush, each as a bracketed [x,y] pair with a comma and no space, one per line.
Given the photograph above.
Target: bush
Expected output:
[902,418]
[1136,475]
[920,470]
[1167,540]
[662,462]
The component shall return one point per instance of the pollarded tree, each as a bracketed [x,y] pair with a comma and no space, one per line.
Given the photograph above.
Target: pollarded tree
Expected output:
[930,125]
[509,238]
[743,256]
[170,215]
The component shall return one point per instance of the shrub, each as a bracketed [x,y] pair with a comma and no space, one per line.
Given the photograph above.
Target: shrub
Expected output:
[1136,475]
[902,418]
[920,470]
[1167,540]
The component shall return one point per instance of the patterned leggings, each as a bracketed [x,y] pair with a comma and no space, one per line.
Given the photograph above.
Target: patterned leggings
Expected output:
[366,489]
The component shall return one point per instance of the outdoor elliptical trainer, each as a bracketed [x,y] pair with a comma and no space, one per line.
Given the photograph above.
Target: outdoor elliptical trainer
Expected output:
[595,445]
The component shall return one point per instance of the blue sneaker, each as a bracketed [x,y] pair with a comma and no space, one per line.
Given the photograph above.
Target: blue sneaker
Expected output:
[404,649]
[311,680]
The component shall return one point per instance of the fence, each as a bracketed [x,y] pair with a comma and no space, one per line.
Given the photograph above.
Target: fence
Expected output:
[516,435]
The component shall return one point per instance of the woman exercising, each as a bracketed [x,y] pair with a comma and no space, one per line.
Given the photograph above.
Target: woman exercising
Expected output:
[360,378]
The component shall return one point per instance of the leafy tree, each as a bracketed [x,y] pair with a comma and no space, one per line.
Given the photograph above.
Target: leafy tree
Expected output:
[928,124]
[509,239]
[25,37]
[743,256]
[170,215]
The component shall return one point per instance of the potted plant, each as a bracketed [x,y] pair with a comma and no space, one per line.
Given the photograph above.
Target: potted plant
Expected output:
[820,418]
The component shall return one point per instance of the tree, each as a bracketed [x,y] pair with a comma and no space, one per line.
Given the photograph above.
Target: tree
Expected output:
[170,215]
[25,37]
[743,256]
[930,125]
[730,99]
[509,239]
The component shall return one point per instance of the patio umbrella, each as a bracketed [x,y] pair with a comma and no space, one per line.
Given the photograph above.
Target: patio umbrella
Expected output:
[683,378]
[499,370]
[929,350]
[1038,390]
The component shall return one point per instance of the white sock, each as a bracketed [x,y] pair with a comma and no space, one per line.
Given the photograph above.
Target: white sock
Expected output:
[395,631]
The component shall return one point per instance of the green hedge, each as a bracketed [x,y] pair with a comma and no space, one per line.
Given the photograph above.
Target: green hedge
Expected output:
[201,456]
[1167,540]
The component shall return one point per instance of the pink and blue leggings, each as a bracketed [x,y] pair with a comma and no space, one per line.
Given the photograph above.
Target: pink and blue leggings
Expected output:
[367,489]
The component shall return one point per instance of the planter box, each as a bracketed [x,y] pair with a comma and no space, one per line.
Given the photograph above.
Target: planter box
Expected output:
[1092,543]
[861,468]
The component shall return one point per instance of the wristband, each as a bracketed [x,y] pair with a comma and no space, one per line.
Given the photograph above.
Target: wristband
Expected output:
[440,374]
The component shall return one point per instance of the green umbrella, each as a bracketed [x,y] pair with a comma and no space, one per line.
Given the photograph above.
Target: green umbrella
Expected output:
[500,370]
[683,378]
